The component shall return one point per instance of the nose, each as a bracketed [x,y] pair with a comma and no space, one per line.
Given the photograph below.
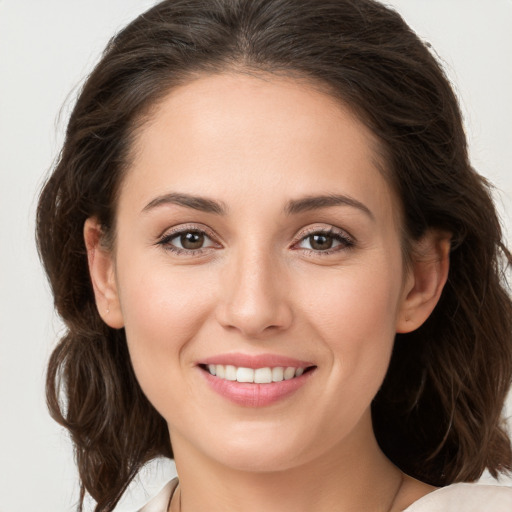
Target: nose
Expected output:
[254,297]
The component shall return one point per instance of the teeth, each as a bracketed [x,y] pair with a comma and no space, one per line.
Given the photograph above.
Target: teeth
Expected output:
[289,373]
[245,375]
[263,376]
[277,374]
[220,371]
[258,376]
[230,372]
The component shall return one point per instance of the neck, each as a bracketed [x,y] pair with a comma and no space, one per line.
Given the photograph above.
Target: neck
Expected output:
[353,476]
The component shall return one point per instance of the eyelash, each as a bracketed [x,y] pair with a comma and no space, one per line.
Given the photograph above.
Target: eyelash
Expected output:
[346,242]
[165,240]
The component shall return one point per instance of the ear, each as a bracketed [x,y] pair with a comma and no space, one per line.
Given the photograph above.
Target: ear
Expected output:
[425,280]
[102,272]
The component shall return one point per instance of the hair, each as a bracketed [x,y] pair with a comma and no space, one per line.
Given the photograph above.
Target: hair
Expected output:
[438,414]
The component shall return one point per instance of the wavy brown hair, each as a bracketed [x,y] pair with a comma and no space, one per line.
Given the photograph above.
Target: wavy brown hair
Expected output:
[438,415]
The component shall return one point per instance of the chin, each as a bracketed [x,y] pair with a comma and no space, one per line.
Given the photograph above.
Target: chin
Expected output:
[259,461]
[262,454]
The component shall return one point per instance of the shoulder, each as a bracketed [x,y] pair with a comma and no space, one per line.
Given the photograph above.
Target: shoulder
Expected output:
[467,497]
[149,490]
[160,502]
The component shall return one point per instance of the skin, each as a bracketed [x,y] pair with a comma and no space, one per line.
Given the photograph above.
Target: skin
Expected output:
[252,144]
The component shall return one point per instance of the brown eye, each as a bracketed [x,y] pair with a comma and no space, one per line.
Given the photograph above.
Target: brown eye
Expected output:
[192,240]
[326,241]
[188,241]
[320,242]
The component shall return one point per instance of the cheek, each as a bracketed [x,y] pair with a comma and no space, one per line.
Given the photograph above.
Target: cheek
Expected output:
[353,302]
[163,310]
[354,316]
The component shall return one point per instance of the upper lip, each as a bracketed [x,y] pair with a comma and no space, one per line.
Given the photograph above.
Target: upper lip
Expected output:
[255,361]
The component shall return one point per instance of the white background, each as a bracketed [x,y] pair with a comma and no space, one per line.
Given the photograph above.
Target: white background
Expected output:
[46,48]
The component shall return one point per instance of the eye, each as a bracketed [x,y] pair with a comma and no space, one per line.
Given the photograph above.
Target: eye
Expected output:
[187,241]
[325,241]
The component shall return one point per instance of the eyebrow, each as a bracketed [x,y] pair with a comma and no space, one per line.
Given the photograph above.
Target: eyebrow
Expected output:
[294,206]
[189,201]
[308,203]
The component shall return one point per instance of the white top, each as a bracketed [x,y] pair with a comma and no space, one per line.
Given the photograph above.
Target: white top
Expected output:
[460,497]
[465,497]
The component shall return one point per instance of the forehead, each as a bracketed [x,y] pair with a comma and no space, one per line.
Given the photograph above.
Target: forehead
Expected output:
[233,132]
[255,105]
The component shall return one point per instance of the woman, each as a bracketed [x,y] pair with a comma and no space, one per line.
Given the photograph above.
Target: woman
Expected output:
[277,266]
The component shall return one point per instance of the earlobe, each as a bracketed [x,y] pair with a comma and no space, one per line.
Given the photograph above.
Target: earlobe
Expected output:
[424,284]
[102,272]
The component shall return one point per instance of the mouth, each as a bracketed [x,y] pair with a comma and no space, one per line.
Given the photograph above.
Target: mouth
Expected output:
[256,381]
[263,375]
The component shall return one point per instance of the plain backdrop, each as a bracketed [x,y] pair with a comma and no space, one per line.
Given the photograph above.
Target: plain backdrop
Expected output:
[46,49]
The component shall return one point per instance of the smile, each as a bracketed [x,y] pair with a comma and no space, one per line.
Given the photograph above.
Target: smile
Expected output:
[250,384]
[265,375]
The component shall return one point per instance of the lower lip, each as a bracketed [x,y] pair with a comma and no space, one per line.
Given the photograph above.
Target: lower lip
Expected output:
[255,395]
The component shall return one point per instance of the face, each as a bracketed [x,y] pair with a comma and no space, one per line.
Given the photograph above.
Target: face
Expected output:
[257,240]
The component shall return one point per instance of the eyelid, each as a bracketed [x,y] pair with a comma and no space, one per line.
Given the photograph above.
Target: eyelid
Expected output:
[187,226]
[323,229]
[164,238]
[348,240]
